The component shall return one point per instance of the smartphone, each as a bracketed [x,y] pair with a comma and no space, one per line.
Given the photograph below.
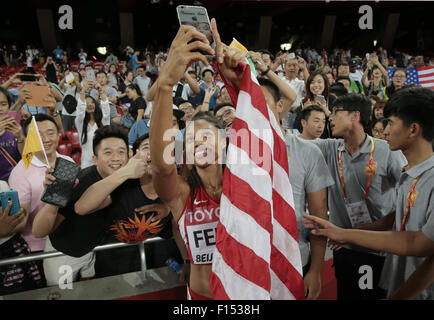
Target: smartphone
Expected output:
[90,75]
[39,96]
[7,197]
[29,78]
[291,55]
[197,17]
[69,78]
[60,191]
[320,98]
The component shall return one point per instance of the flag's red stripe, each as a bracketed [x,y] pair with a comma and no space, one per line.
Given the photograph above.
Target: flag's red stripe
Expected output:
[286,272]
[258,151]
[280,155]
[242,259]
[217,289]
[285,215]
[242,196]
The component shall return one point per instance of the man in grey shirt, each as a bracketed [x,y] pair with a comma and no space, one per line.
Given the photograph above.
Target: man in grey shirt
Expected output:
[142,81]
[365,173]
[410,233]
[309,178]
[112,94]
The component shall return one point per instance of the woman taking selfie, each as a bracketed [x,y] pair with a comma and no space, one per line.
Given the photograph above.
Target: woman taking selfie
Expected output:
[202,188]
[90,116]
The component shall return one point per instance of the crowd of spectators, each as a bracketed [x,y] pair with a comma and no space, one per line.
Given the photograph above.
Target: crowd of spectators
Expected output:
[112,106]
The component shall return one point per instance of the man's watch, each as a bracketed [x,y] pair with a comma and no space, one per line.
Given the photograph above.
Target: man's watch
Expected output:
[55,114]
[266,71]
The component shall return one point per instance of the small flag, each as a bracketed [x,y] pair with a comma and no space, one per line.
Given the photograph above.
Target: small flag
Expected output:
[423,76]
[33,144]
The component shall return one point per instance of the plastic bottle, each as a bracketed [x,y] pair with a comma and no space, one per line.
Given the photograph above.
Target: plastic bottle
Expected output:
[174,265]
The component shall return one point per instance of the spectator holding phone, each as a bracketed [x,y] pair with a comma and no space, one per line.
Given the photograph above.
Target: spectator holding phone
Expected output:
[29,182]
[11,137]
[380,78]
[70,85]
[77,235]
[111,93]
[113,77]
[16,277]
[91,115]
[51,69]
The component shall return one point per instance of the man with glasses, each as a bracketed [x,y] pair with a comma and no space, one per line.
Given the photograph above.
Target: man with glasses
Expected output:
[365,173]
[225,114]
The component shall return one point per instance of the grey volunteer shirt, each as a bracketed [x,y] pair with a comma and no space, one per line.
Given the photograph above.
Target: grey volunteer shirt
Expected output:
[308,173]
[143,84]
[110,92]
[397,269]
[382,194]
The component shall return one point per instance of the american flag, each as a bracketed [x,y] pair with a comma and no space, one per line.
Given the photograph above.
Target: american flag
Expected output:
[257,254]
[423,76]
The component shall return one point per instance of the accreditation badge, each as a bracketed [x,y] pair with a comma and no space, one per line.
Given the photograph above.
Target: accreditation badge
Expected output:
[358,213]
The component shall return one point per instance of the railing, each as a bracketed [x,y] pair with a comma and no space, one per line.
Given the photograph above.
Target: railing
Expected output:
[52,254]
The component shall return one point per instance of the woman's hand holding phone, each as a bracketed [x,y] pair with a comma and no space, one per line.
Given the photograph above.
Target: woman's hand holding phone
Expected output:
[9,223]
[182,54]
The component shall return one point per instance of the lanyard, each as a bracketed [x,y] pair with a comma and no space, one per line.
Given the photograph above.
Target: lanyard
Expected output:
[411,198]
[369,170]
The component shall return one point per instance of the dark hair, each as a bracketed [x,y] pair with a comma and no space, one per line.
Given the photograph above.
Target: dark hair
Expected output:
[274,90]
[109,131]
[338,89]
[306,112]
[356,102]
[193,178]
[141,67]
[100,71]
[309,93]
[98,118]
[343,78]
[139,141]
[135,87]
[39,118]
[383,121]
[265,51]
[221,105]
[7,95]
[374,97]
[413,105]
[399,69]
[177,101]
[116,69]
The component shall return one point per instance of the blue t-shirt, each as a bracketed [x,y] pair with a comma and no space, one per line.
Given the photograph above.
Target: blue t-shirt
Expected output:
[133,60]
[58,53]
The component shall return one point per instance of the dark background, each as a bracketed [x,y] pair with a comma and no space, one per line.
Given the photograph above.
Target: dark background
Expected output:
[96,23]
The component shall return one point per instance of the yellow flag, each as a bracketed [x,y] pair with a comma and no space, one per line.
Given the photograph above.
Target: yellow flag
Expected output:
[237,45]
[33,143]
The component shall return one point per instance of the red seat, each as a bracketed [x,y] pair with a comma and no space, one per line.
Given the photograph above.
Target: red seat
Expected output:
[65,149]
[76,157]
[74,138]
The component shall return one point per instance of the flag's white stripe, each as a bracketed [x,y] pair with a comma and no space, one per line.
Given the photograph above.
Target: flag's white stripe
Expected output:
[428,85]
[243,228]
[236,286]
[278,289]
[426,71]
[245,169]
[281,184]
[427,78]
[287,246]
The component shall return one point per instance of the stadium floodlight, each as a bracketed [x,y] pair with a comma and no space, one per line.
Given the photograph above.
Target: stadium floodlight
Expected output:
[102,50]
[286,46]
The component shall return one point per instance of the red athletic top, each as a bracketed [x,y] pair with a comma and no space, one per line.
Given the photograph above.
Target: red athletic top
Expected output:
[198,226]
